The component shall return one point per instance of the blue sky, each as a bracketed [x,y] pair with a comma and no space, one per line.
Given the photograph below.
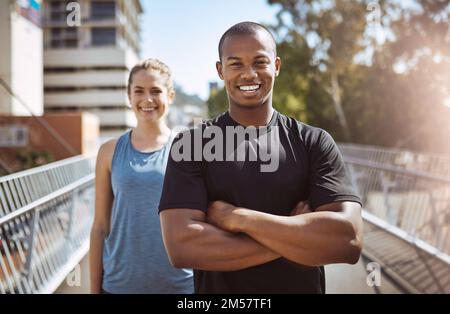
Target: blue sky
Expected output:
[185,33]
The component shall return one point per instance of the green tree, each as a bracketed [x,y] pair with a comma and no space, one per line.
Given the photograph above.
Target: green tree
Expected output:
[337,29]
[293,83]
[374,103]
[218,103]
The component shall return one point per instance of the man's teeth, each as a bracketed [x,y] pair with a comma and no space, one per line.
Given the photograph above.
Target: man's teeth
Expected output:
[249,88]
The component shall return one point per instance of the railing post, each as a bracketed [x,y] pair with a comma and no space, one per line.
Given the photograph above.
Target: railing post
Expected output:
[387,184]
[34,229]
[71,212]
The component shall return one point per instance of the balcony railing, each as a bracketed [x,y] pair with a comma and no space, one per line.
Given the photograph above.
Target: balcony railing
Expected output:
[406,209]
[45,216]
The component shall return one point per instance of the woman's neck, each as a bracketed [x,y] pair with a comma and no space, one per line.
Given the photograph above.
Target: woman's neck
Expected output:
[150,132]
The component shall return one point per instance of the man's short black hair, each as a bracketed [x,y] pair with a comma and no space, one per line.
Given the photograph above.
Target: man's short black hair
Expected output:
[245,28]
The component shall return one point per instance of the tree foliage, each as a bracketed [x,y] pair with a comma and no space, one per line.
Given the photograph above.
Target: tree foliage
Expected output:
[337,74]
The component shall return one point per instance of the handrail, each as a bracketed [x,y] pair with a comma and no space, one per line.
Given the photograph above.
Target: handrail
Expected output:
[45,219]
[46,199]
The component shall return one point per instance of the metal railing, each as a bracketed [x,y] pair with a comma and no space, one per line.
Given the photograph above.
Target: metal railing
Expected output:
[431,164]
[408,196]
[46,213]
[45,216]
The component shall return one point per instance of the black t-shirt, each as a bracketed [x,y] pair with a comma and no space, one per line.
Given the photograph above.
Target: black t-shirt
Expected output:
[310,167]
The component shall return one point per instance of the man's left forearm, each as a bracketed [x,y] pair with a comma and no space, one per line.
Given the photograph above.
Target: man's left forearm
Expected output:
[312,239]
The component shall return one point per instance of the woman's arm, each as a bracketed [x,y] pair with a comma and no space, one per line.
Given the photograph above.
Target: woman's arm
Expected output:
[103,205]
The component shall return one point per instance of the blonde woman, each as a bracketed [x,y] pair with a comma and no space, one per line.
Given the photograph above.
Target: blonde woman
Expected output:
[127,253]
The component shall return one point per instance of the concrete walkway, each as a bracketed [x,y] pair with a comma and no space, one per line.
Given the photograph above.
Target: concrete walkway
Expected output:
[352,279]
[341,278]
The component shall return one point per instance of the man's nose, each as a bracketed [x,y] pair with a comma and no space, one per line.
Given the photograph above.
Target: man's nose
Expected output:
[249,73]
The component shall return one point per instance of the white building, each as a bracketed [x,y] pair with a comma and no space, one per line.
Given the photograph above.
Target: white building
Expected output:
[21,54]
[87,66]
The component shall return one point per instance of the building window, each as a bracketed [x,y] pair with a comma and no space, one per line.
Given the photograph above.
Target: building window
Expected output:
[64,37]
[58,11]
[103,36]
[103,10]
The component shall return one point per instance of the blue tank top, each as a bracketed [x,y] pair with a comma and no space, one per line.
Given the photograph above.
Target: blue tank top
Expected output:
[134,257]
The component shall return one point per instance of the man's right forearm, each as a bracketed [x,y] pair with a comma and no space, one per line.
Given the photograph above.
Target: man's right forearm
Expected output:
[206,247]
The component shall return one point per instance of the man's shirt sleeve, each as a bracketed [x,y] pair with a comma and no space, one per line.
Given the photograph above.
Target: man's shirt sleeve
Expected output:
[329,179]
[184,185]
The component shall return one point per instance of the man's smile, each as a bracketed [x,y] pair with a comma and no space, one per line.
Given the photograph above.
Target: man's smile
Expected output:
[249,89]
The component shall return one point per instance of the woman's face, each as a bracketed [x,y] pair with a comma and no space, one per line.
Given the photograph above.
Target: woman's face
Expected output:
[149,96]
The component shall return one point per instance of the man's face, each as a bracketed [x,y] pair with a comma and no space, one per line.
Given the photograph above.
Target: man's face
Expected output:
[248,68]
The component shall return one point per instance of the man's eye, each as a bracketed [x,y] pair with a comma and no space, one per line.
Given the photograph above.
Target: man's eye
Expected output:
[235,64]
[138,92]
[261,62]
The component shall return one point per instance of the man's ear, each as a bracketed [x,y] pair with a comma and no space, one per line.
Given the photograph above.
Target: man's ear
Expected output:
[219,69]
[277,66]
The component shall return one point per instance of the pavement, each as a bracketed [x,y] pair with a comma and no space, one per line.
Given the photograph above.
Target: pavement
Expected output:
[340,279]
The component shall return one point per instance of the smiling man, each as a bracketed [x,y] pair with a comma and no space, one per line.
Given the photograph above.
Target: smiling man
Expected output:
[248,231]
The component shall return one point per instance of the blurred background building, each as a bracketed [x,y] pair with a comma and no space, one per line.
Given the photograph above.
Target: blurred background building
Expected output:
[28,137]
[66,63]
[86,68]
[21,58]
